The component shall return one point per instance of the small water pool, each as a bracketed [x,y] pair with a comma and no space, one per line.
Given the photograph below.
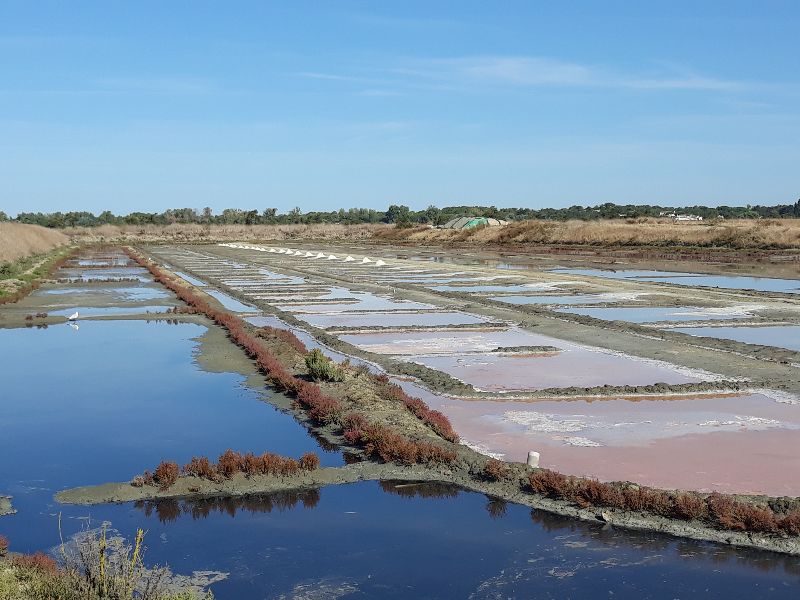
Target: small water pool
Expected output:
[780,336]
[676,314]
[736,282]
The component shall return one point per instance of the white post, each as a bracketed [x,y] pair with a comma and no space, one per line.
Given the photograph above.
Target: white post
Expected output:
[533,459]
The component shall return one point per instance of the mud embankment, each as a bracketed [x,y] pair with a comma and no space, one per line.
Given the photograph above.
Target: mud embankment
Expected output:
[510,489]
[5,506]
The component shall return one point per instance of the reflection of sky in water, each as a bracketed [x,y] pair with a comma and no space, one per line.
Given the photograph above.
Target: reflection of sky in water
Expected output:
[737,282]
[655,314]
[493,288]
[120,397]
[591,299]
[365,301]
[90,311]
[389,319]
[121,293]
[778,336]
[230,302]
[456,545]
[136,273]
[193,280]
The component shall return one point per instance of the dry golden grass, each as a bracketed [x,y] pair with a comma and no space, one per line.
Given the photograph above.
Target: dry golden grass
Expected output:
[734,234]
[738,234]
[18,240]
[220,233]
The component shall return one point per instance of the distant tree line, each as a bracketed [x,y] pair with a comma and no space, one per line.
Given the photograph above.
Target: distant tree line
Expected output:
[398,214]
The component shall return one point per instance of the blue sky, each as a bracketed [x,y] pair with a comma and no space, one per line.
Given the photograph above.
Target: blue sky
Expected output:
[148,105]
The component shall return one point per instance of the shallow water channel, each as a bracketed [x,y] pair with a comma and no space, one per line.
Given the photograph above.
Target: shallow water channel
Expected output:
[371,540]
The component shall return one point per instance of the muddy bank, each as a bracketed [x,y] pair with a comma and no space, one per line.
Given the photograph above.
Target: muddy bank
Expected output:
[5,506]
[510,489]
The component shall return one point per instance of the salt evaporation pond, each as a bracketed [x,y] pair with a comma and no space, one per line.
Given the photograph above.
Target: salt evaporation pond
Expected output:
[125,294]
[113,399]
[577,299]
[371,540]
[681,442]
[363,301]
[137,273]
[231,303]
[389,319]
[780,336]
[106,311]
[735,282]
[528,287]
[655,314]
[468,356]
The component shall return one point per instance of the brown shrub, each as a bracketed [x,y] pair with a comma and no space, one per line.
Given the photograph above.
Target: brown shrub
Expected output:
[758,519]
[309,461]
[434,419]
[285,336]
[3,545]
[229,463]
[272,463]
[590,492]
[790,523]
[428,453]
[37,562]
[495,470]
[252,464]
[723,510]
[138,481]
[320,407]
[147,478]
[166,474]
[201,467]
[549,483]
[647,499]
[688,507]
[289,466]
[354,421]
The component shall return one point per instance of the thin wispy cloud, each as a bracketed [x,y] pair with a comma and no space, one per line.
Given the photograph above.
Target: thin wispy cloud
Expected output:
[477,72]
[535,71]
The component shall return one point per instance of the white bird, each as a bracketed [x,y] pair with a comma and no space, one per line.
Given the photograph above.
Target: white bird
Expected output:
[73,317]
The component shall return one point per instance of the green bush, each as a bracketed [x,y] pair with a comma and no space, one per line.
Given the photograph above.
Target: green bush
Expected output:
[321,368]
